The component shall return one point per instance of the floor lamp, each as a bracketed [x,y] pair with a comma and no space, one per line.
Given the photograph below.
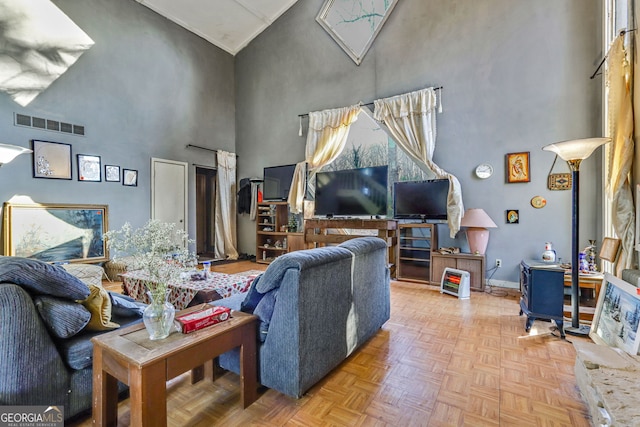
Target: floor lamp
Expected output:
[574,152]
[10,152]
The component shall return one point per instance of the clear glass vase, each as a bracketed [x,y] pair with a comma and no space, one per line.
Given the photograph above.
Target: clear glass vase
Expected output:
[158,316]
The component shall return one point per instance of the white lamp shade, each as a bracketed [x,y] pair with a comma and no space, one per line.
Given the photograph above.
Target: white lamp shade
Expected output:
[477,218]
[10,152]
[576,149]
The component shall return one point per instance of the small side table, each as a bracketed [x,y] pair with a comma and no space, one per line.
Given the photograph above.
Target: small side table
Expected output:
[144,365]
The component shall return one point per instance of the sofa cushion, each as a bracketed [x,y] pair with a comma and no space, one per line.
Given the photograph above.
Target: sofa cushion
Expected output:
[77,351]
[41,278]
[99,304]
[363,244]
[298,260]
[125,306]
[63,318]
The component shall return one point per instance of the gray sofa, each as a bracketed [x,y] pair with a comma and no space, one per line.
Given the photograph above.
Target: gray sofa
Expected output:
[315,307]
[46,352]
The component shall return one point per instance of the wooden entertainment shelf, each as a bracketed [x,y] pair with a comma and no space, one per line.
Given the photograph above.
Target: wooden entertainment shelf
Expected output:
[320,232]
[272,237]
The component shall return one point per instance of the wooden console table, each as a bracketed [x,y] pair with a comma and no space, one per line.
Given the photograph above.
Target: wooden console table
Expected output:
[591,282]
[316,232]
[128,355]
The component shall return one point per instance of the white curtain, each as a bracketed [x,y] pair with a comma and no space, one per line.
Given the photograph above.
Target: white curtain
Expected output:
[328,132]
[621,150]
[411,120]
[225,227]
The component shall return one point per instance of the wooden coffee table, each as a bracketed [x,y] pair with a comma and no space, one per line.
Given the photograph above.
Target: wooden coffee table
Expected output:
[128,355]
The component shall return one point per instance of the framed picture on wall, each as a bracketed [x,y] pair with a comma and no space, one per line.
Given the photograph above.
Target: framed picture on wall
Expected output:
[517,167]
[55,232]
[51,160]
[130,177]
[89,168]
[111,173]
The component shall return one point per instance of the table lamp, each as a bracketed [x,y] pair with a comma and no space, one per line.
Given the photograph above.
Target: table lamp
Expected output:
[477,222]
[574,152]
[10,152]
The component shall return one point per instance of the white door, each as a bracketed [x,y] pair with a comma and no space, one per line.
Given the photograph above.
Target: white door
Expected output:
[169,193]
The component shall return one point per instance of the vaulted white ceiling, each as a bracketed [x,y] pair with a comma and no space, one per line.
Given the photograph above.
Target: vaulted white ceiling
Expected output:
[228,24]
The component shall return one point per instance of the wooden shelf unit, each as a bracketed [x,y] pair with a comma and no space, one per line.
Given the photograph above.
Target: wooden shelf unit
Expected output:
[317,233]
[415,243]
[271,219]
[474,264]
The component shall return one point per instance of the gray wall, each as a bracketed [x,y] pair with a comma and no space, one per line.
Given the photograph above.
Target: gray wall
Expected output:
[145,89]
[515,77]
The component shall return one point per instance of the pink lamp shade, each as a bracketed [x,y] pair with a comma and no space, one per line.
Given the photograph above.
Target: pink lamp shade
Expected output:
[477,221]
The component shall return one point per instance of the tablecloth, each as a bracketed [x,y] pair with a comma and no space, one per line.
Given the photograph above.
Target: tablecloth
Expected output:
[215,286]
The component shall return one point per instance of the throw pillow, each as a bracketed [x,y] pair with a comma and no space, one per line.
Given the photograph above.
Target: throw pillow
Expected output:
[88,273]
[253,297]
[63,318]
[125,306]
[264,311]
[99,305]
[41,278]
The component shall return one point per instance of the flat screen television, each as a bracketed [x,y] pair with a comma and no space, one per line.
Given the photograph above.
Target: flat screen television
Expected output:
[426,200]
[350,192]
[277,182]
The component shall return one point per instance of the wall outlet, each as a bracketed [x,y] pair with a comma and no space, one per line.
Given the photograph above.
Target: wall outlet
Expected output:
[498,262]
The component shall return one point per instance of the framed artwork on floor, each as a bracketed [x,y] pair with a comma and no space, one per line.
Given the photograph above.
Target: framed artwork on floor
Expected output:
[111,173]
[130,177]
[89,168]
[615,321]
[51,160]
[55,232]
[517,167]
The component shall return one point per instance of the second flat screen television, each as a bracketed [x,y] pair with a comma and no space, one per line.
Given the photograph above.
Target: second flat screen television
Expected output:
[277,182]
[426,200]
[352,192]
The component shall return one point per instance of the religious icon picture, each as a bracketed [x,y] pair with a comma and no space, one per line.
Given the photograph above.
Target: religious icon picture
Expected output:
[518,167]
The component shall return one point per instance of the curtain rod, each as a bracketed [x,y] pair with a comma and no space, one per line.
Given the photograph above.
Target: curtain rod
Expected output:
[595,73]
[203,148]
[368,104]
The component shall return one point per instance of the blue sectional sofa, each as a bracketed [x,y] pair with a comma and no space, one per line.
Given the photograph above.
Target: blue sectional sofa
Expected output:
[46,354]
[315,307]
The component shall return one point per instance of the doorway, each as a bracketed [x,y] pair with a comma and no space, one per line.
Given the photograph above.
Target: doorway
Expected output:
[205,212]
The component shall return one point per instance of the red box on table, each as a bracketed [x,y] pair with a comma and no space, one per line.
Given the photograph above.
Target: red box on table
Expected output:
[203,316]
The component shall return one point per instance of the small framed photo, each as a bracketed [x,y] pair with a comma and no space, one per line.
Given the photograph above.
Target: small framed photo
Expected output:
[512,216]
[615,321]
[89,168]
[130,177]
[518,167]
[111,173]
[51,160]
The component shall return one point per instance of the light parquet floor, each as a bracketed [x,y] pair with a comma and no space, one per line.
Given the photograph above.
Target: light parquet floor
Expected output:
[438,361]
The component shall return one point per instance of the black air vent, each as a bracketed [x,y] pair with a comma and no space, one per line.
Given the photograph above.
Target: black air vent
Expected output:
[23,120]
[66,127]
[47,124]
[53,125]
[39,123]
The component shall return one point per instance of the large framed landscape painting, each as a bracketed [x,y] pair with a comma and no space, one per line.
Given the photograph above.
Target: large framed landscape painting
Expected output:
[55,232]
[617,315]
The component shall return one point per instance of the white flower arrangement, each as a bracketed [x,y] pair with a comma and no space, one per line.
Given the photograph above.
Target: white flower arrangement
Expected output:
[158,249]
